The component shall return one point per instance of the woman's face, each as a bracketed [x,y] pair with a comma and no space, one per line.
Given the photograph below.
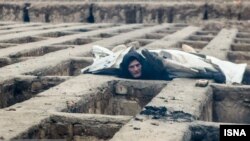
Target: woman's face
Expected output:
[134,69]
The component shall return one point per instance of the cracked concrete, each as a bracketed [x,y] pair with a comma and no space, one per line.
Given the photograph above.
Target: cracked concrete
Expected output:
[50,99]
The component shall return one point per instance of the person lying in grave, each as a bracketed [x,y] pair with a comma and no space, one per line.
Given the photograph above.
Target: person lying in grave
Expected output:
[165,64]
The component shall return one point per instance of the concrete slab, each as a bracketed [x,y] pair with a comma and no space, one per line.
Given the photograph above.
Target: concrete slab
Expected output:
[221,44]
[178,110]
[170,41]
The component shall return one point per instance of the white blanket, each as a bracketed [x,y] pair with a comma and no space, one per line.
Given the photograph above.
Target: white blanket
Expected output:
[234,72]
[105,58]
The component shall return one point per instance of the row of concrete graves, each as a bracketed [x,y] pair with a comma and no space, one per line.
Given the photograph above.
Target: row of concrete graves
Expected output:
[44,96]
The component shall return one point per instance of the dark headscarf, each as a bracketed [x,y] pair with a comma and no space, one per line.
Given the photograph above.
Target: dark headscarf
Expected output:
[127,59]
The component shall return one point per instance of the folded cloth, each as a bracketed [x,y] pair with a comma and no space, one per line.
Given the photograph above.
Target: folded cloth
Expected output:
[234,72]
[105,59]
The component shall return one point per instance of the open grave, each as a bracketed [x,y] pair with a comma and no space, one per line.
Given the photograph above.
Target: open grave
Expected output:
[43,94]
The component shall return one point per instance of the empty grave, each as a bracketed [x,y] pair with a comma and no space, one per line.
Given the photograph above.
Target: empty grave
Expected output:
[118,98]
[203,35]
[180,25]
[126,30]
[240,47]
[239,56]
[76,127]
[167,31]
[228,104]
[5,61]
[80,41]
[23,88]
[31,54]
[106,35]
[198,45]
[88,29]
[154,36]
[204,132]
[201,38]
[142,42]
[243,35]
[207,33]
[23,40]
[6,45]
[40,51]
[67,68]
[242,41]
[56,34]
[83,30]
[114,33]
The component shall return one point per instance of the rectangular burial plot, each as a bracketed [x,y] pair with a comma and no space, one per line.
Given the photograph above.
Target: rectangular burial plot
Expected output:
[106,35]
[72,127]
[229,104]
[89,29]
[142,42]
[242,41]
[197,45]
[122,97]
[23,40]
[206,33]
[201,38]
[30,54]
[239,56]
[180,25]
[40,51]
[167,31]
[23,88]
[243,35]
[83,30]
[80,41]
[6,45]
[67,68]
[56,34]
[154,36]
[204,132]
[126,30]
[5,61]
[240,47]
